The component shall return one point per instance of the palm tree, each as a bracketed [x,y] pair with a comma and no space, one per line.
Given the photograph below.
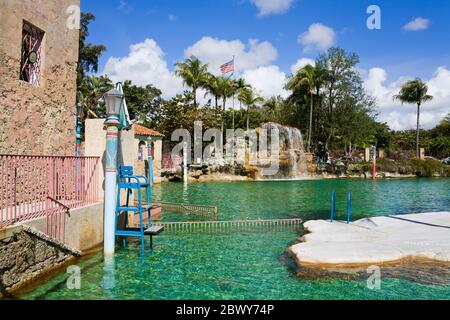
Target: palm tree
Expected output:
[226,90]
[249,98]
[415,91]
[84,100]
[193,73]
[212,87]
[91,91]
[240,86]
[307,78]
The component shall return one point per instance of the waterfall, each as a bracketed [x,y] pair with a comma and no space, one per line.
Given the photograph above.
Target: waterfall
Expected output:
[292,153]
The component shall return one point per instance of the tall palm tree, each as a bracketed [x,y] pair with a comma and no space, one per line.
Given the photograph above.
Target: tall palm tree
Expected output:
[194,74]
[212,87]
[91,91]
[241,85]
[307,78]
[84,100]
[227,90]
[415,91]
[248,98]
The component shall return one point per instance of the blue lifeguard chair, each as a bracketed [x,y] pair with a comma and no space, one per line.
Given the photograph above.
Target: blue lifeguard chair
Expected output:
[130,182]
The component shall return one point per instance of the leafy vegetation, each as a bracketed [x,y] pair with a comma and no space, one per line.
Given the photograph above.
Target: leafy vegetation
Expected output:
[415,91]
[327,103]
[88,53]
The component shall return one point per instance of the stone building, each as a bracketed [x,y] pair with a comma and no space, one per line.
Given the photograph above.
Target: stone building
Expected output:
[38,61]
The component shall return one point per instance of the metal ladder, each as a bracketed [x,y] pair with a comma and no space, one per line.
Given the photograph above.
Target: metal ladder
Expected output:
[129,182]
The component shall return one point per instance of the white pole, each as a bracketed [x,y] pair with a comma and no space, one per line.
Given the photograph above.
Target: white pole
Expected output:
[150,152]
[112,137]
[185,165]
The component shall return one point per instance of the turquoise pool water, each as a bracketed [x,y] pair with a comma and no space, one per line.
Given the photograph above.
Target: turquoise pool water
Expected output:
[253,265]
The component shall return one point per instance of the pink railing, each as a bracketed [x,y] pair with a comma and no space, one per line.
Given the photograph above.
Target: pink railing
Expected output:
[43,186]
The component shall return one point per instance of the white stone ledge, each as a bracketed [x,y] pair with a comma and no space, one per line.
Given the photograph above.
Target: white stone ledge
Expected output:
[375,240]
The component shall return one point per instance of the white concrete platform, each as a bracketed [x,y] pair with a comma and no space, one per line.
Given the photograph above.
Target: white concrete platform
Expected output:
[375,240]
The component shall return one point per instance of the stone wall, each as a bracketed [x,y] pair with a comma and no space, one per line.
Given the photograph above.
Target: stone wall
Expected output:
[26,253]
[38,119]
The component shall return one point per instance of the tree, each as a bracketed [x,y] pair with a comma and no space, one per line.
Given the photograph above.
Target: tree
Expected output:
[306,77]
[88,53]
[272,109]
[180,112]
[144,103]
[90,91]
[341,81]
[241,86]
[415,91]
[226,89]
[355,125]
[248,98]
[212,87]
[194,74]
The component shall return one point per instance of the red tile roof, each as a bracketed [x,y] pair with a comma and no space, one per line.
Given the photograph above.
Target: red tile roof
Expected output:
[143,131]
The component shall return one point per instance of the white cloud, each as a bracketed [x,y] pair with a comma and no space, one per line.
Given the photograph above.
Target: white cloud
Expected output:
[216,52]
[173,18]
[267,81]
[318,38]
[417,24]
[267,7]
[144,65]
[302,63]
[125,7]
[401,117]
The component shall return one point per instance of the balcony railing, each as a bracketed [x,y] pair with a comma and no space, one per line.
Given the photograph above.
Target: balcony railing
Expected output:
[45,186]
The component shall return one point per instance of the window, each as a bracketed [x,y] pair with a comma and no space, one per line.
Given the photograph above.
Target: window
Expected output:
[141,151]
[30,64]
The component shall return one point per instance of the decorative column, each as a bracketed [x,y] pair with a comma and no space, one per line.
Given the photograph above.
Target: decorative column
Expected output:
[151,177]
[79,115]
[185,162]
[112,137]
[114,100]
[374,162]
[78,139]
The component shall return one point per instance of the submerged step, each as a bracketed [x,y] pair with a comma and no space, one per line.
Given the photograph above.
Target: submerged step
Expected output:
[154,231]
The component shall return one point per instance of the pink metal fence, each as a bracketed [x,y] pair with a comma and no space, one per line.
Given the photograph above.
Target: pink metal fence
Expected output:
[43,186]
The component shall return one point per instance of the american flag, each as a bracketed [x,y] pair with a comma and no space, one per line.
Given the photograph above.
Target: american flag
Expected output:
[227,68]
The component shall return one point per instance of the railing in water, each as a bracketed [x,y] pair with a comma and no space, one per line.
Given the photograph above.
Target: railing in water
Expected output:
[46,186]
[190,209]
[228,226]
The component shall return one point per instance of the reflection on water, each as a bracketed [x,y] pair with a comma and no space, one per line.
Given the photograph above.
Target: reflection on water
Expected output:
[109,276]
[421,271]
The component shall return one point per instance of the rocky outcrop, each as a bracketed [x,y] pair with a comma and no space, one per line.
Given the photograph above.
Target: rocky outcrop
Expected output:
[386,168]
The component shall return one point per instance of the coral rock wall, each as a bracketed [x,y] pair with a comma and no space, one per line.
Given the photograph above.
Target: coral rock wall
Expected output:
[38,119]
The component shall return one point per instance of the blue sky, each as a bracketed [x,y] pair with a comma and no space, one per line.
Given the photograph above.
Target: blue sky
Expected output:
[176,28]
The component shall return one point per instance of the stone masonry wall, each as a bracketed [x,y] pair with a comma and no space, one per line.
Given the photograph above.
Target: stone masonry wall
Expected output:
[38,119]
[26,254]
